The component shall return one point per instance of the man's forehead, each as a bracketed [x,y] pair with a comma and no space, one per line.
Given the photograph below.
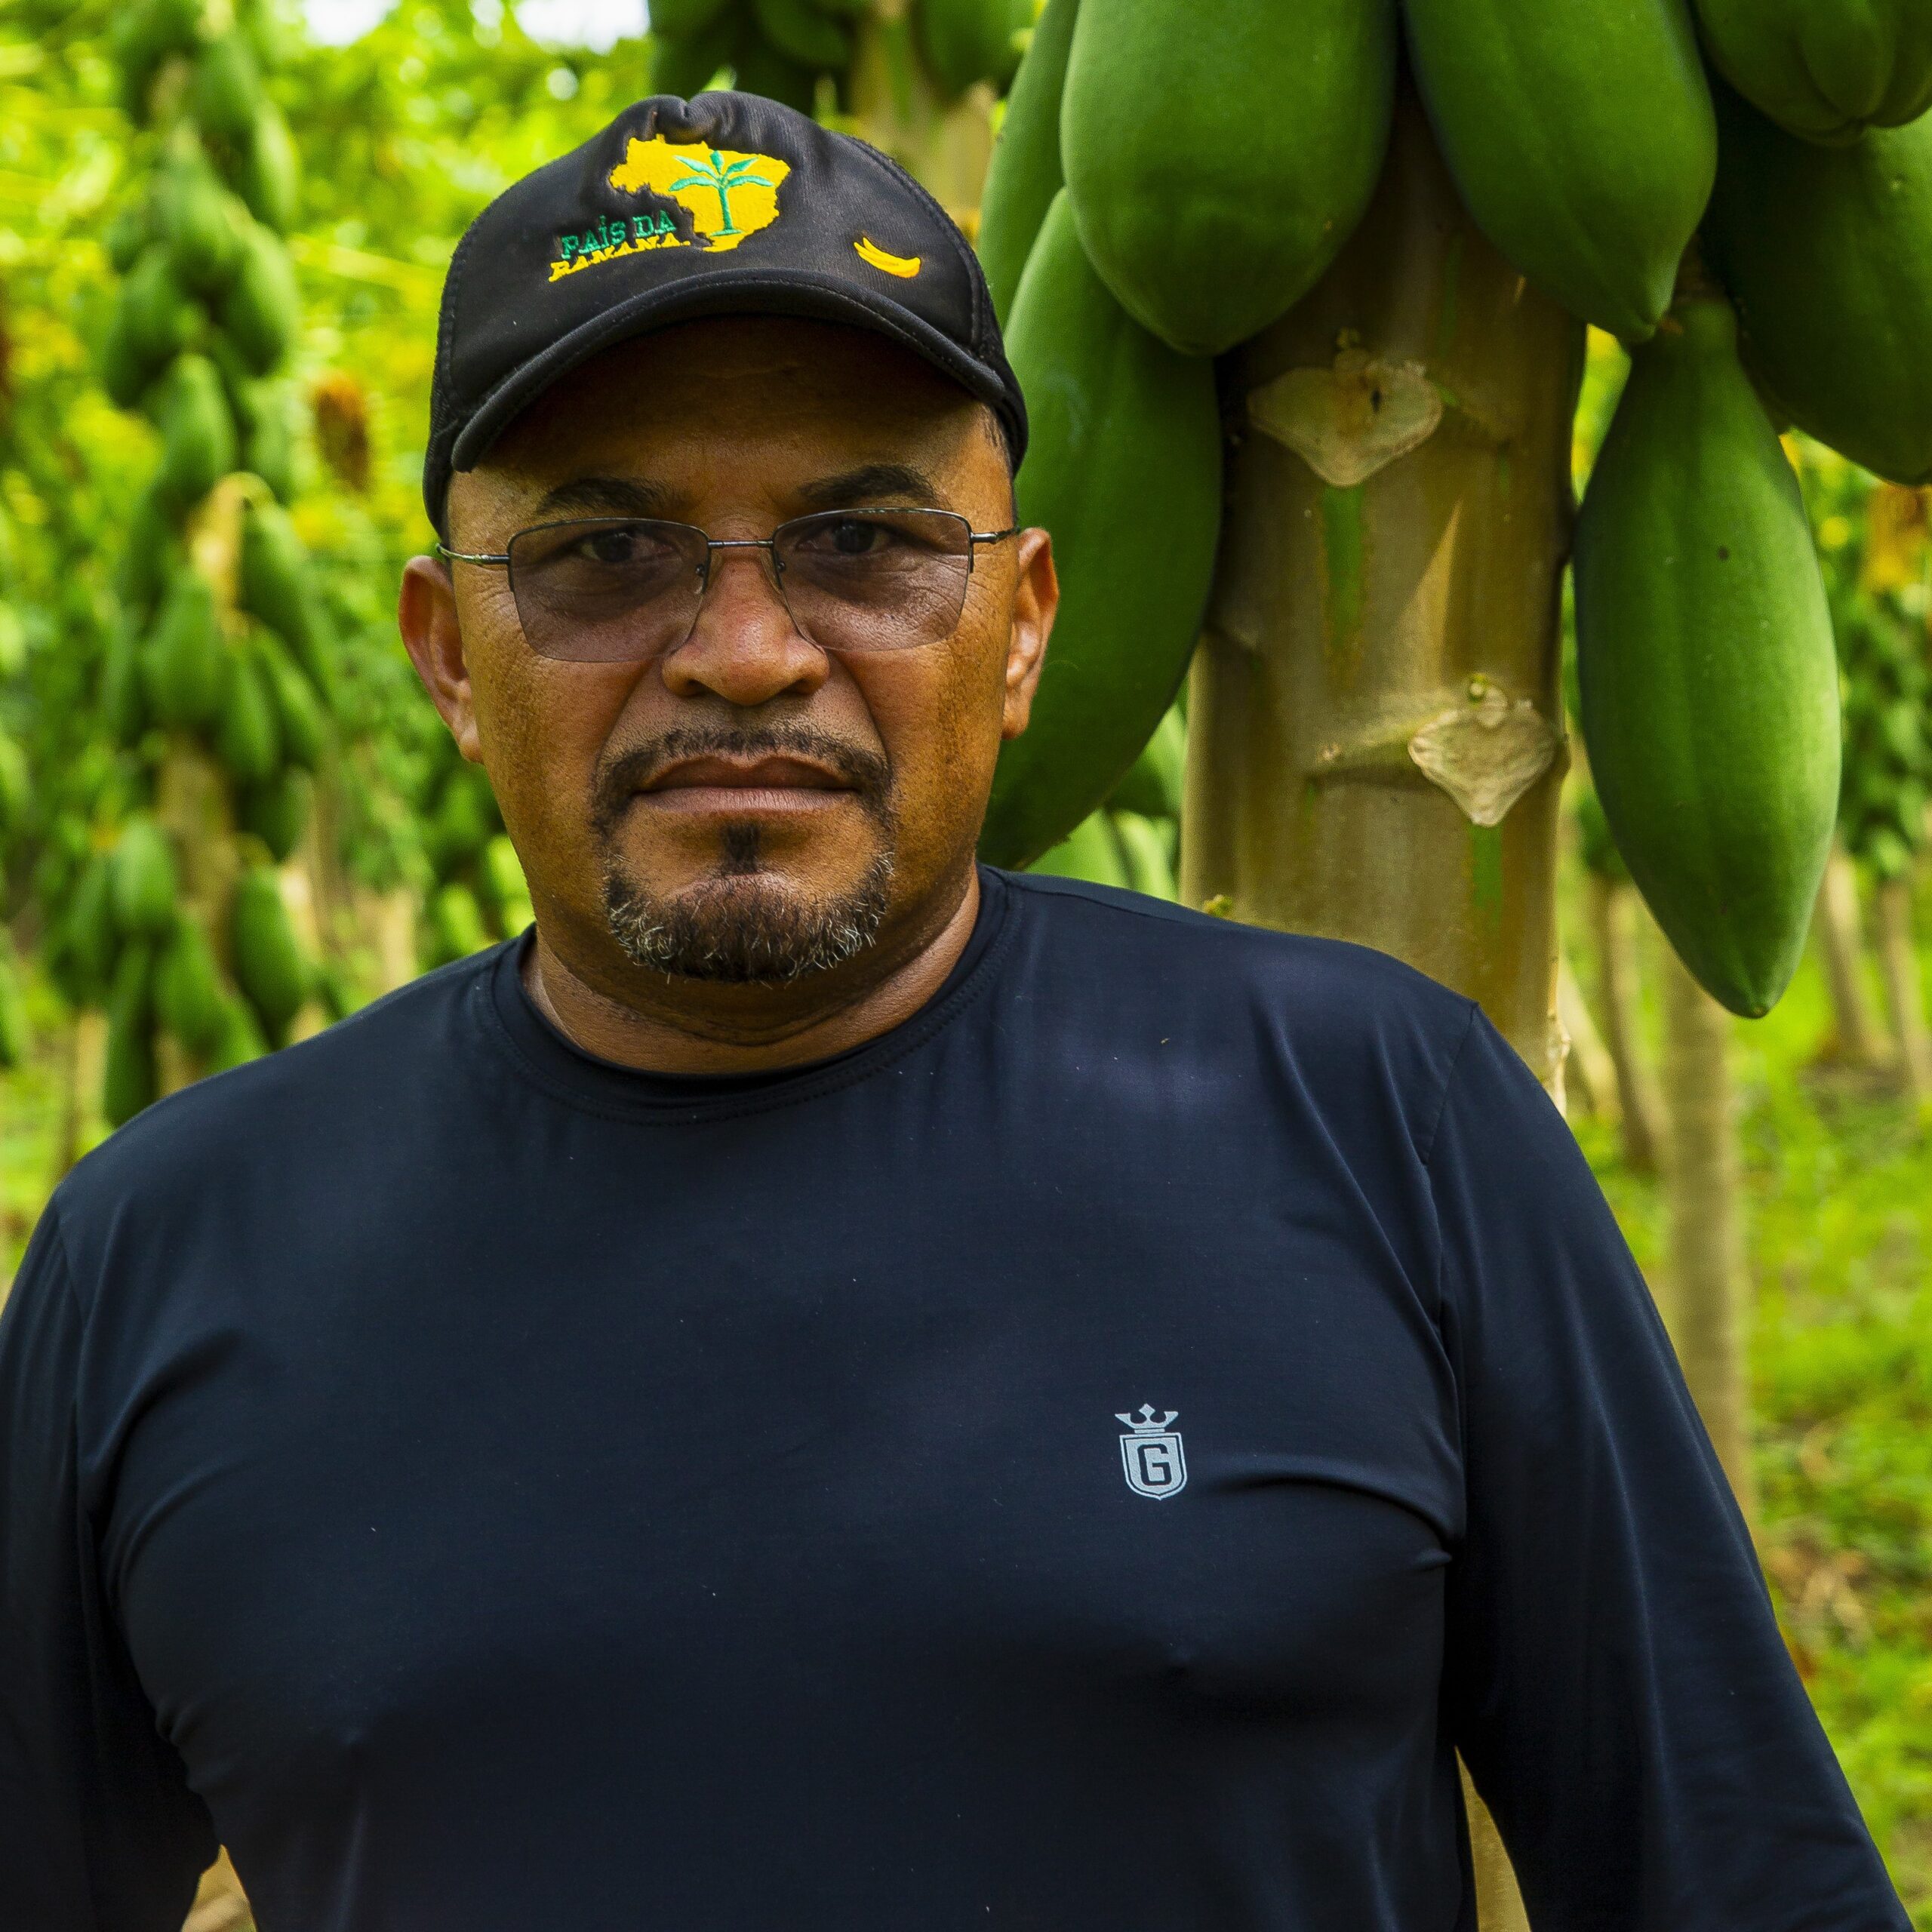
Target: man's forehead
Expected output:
[810,397]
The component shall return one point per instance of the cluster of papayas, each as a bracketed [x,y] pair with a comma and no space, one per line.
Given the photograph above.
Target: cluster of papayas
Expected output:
[785,49]
[221,639]
[478,894]
[1189,173]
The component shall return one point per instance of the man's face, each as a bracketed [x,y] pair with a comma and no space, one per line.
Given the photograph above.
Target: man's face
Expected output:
[745,806]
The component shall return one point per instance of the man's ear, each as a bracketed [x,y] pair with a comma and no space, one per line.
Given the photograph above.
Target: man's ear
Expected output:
[426,616]
[1036,602]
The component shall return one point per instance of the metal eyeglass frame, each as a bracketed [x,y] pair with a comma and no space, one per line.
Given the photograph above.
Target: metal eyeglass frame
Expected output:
[974,537]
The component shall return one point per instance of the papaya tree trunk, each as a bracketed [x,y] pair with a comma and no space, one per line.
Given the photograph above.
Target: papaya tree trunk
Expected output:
[1374,748]
[86,1056]
[1898,961]
[1708,1301]
[1841,948]
[1615,910]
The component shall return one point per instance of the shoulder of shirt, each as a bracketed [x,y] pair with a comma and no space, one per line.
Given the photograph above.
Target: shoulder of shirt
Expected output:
[1334,979]
[182,1138]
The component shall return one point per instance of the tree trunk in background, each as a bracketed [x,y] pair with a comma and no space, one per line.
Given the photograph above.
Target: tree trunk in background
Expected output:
[1898,960]
[1589,1073]
[80,1100]
[1374,747]
[1835,923]
[1615,910]
[1709,1304]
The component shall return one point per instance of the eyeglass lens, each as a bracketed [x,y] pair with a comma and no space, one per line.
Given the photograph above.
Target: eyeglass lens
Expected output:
[606,590]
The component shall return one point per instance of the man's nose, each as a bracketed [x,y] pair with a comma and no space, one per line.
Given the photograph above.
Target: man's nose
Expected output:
[744,647]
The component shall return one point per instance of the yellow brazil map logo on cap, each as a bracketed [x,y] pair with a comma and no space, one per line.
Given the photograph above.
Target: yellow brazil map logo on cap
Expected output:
[728,195]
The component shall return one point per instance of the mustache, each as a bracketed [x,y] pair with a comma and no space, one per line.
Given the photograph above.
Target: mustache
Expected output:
[867,773]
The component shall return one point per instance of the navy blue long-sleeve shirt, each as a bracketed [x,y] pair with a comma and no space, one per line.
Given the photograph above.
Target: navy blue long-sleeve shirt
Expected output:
[1086,1459]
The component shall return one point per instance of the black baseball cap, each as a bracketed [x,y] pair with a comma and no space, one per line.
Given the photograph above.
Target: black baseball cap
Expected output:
[726,203]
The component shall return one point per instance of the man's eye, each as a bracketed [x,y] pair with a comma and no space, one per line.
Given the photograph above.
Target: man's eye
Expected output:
[613,546]
[859,537]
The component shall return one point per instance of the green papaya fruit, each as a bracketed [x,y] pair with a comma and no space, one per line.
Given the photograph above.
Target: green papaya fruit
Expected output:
[276,811]
[192,219]
[152,322]
[1121,423]
[267,437]
[303,730]
[274,583]
[16,783]
[260,308]
[456,925]
[270,179]
[143,35]
[965,41]
[1150,868]
[687,64]
[189,998]
[128,234]
[13,1012]
[144,880]
[801,33]
[464,820]
[1825,70]
[93,938]
[679,19]
[185,666]
[1583,140]
[123,695]
[1026,174]
[761,69]
[1089,851]
[1709,682]
[123,374]
[1827,253]
[130,1081]
[197,432]
[241,1040]
[151,555]
[1154,782]
[226,93]
[248,735]
[269,964]
[1218,157]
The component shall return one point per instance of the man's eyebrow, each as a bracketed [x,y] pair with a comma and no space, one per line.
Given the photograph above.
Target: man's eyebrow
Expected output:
[870,481]
[606,496]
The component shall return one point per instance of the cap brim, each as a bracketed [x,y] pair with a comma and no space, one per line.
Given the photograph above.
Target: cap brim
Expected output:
[731,292]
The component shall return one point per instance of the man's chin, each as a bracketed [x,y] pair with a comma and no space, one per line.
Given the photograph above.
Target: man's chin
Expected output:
[745,925]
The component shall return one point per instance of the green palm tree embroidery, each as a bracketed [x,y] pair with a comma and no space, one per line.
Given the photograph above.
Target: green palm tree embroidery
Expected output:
[716,174]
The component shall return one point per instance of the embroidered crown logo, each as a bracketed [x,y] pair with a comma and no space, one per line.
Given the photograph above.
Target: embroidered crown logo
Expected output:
[727,195]
[1151,1455]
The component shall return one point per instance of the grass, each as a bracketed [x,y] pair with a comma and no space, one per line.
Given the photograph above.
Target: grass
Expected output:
[1838,1177]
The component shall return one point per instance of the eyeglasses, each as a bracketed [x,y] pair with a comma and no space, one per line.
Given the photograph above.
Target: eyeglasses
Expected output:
[610,590]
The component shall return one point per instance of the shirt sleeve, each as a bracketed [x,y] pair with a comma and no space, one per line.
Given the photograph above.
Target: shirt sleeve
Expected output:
[1614,1676]
[99,1831]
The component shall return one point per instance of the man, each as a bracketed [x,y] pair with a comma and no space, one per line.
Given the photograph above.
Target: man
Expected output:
[826,1388]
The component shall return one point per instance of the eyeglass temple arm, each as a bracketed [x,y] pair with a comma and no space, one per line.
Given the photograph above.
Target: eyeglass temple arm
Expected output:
[449,556]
